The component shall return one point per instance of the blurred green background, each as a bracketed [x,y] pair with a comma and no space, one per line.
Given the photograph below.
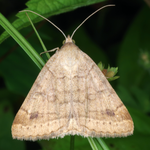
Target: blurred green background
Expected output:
[118,36]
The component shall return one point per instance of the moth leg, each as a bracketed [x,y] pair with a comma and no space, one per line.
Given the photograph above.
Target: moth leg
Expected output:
[52,50]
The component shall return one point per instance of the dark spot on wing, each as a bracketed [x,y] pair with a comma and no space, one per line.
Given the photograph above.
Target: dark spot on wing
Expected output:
[34,115]
[110,112]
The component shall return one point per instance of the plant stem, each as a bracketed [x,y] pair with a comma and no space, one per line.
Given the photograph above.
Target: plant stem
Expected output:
[72,138]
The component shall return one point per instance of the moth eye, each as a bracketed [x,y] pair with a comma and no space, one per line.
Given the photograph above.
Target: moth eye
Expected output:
[73,41]
[63,42]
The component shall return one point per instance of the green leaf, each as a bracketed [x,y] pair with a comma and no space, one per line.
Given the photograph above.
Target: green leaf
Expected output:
[141,121]
[46,9]
[17,69]
[142,98]
[126,96]
[6,115]
[136,38]
[22,42]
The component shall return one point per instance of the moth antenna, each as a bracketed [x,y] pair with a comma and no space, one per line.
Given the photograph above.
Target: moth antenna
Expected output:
[89,17]
[45,19]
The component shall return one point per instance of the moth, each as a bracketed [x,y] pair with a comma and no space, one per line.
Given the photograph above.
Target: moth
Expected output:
[71,96]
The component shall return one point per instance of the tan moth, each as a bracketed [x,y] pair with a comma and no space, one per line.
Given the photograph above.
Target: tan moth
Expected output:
[71,96]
